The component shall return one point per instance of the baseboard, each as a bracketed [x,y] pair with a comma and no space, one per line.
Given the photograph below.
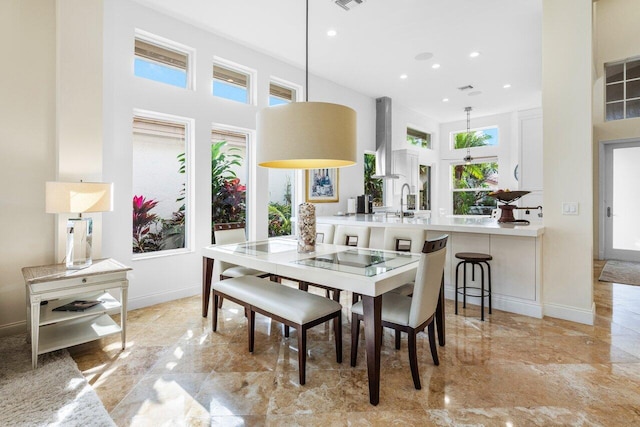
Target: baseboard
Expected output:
[504,303]
[572,314]
[14,328]
[153,299]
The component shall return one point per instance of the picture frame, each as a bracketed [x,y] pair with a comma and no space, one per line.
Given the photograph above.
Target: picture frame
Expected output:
[322,185]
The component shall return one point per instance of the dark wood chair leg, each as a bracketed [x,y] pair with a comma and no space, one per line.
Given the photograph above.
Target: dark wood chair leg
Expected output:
[207,271]
[302,354]
[286,331]
[336,295]
[252,329]
[432,343]
[214,320]
[355,298]
[397,339]
[355,335]
[337,332]
[413,359]
[220,299]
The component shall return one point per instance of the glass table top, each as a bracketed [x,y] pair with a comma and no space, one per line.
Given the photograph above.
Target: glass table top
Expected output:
[265,247]
[365,262]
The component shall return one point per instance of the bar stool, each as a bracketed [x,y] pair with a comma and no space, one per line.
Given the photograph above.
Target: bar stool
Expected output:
[474,259]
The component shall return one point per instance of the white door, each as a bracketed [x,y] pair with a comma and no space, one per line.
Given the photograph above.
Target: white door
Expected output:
[621,201]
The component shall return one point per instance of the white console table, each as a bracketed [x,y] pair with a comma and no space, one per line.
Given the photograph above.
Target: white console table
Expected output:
[52,330]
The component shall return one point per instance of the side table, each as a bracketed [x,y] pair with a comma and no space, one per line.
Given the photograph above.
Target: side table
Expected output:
[51,330]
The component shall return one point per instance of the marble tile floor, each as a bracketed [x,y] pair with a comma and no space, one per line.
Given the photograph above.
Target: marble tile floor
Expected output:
[510,370]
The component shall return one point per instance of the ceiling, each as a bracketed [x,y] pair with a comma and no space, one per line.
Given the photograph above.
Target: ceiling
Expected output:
[377,41]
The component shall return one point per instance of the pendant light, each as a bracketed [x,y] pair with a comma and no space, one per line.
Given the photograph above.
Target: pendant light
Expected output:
[306,135]
[468,159]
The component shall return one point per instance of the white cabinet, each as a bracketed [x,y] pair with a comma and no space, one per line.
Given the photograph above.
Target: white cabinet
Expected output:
[530,166]
[52,286]
[406,165]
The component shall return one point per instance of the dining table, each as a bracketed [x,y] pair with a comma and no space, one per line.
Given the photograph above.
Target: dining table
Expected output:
[368,272]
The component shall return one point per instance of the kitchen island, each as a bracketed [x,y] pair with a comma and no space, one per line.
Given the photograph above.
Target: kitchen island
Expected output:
[516,250]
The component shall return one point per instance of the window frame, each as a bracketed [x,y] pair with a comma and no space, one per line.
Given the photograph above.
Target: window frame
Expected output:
[296,89]
[452,137]
[453,190]
[189,146]
[624,100]
[428,137]
[251,86]
[167,44]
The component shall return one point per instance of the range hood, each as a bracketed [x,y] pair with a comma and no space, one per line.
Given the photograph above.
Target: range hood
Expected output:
[383,139]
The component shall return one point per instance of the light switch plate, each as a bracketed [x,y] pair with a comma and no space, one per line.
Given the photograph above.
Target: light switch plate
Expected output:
[570,208]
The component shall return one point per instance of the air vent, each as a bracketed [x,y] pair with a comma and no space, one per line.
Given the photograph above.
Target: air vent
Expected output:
[348,4]
[467,87]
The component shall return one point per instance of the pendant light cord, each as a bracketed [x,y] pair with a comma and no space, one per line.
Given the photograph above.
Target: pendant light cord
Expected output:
[468,110]
[306,65]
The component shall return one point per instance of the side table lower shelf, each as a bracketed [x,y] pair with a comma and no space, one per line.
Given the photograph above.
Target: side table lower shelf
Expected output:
[78,331]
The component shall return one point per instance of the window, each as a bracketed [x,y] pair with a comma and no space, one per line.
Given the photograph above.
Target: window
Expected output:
[279,94]
[232,81]
[425,189]
[418,138]
[622,90]
[373,186]
[281,181]
[228,176]
[160,184]
[471,185]
[161,60]
[475,138]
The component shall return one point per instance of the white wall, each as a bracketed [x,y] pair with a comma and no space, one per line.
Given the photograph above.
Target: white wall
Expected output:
[566,105]
[162,278]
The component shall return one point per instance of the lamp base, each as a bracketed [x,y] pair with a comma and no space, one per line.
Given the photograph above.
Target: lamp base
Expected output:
[306,228]
[79,242]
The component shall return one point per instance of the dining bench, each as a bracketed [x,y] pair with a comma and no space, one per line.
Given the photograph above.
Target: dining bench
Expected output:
[292,307]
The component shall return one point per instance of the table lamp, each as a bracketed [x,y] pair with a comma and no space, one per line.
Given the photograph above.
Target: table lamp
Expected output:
[78,198]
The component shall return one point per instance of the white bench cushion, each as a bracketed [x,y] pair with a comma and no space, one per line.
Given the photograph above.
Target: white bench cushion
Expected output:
[395,308]
[288,303]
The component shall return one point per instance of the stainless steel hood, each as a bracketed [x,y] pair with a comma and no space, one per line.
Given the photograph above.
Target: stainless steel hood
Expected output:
[383,139]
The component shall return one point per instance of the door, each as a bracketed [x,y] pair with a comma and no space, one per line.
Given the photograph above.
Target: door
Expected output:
[621,201]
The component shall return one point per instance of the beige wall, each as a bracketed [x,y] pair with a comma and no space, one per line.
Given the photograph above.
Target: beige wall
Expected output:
[27,135]
[54,47]
[567,134]
[617,37]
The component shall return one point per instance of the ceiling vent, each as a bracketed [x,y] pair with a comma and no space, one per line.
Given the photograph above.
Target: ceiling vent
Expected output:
[467,87]
[348,4]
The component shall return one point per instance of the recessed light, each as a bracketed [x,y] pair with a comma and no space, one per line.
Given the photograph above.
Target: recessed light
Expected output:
[474,54]
[435,66]
[332,33]
[424,56]
[445,99]
[403,76]
[507,86]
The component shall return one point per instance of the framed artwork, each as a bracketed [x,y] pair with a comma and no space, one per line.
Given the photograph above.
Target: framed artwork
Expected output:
[322,185]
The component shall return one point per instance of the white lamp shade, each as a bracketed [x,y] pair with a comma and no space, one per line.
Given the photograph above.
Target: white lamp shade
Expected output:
[306,135]
[78,197]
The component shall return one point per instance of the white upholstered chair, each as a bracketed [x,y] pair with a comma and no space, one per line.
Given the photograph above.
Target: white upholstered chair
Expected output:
[324,233]
[411,314]
[233,232]
[352,235]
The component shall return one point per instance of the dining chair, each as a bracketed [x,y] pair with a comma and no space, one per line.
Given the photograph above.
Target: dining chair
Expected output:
[233,232]
[411,314]
[324,233]
[352,235]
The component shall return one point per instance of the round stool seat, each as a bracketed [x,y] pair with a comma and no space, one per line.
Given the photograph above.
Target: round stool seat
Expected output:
[473,256]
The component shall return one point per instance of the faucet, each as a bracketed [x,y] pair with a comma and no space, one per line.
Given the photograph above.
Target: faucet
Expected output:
[402,198]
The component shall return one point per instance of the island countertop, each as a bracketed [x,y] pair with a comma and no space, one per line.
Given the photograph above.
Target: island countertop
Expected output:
[481,225]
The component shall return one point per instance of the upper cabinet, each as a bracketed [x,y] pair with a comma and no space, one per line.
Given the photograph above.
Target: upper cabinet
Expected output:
[406,165]
[530,164]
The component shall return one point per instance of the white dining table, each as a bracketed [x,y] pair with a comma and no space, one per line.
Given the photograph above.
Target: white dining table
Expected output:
[368,272]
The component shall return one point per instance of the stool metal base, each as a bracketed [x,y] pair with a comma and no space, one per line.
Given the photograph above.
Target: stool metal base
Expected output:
[484,292]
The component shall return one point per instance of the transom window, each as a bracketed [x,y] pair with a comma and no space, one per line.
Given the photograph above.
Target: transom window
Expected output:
[622,89]
[475,138]
[279,94]
[418,138]
[471,185]
[161,60]
[231,83]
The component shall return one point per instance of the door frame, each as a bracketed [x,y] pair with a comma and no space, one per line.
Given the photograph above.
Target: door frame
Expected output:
[602,186]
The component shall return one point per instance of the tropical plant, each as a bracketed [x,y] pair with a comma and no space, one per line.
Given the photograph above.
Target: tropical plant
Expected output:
[228,196]
[280,214]
[144,239]
[372,186]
